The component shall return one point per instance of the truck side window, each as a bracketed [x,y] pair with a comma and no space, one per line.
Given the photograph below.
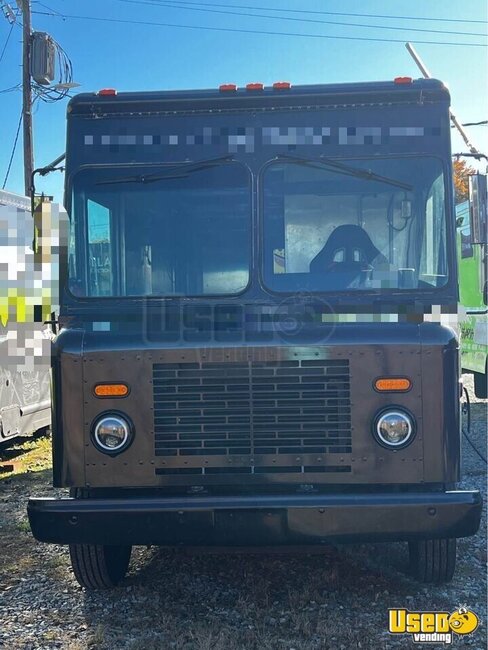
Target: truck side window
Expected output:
[433,260]
[72,252]
[464,228]
[100,275]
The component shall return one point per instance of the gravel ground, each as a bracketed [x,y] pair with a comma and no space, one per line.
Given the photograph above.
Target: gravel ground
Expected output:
[337,600]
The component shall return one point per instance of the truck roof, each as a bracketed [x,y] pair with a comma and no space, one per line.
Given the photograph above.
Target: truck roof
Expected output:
[401,90]
[15,200]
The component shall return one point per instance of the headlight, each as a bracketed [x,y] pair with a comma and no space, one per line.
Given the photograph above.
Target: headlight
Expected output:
[394,428]
[112,433]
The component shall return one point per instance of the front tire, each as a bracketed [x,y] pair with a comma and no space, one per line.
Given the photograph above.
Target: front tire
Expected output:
[98,566]
[433,560]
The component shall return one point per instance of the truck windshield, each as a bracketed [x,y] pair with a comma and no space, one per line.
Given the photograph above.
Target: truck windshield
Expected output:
[330,231]
[180,233]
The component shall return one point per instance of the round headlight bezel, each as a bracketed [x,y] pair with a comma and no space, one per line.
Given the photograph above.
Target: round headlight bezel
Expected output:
[124,421]
[398,411]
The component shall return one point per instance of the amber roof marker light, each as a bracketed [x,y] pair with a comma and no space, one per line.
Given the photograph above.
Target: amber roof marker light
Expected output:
[392,384]
[111,390]
[282,85]
[228,88]
[402,80]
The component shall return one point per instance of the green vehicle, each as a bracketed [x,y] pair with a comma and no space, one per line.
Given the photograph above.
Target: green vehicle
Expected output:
[471,220]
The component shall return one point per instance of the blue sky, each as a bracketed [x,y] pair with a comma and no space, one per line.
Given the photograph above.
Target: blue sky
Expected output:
[131,56]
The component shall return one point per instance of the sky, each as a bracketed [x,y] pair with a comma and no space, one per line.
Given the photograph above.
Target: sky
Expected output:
[129,56]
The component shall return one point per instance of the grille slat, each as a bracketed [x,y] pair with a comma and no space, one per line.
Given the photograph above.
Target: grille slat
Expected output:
[257,408]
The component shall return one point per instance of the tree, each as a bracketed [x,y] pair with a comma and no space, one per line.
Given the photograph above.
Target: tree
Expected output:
[461,171]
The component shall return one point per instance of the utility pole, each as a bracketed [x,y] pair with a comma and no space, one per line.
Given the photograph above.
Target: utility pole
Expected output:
[27,96]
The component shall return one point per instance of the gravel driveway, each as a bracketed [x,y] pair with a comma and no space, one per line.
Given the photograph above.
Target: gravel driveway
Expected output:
[337,600]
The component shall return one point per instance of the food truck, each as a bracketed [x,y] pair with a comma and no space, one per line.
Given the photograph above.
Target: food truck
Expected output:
[257,335]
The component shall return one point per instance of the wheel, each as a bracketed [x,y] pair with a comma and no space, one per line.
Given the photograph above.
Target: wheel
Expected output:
[481,385]
[98,566]
[433,560]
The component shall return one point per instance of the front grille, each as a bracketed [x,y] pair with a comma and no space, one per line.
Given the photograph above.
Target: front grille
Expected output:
[251,409]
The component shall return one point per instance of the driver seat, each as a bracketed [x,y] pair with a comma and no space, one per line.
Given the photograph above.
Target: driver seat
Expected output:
[348,248]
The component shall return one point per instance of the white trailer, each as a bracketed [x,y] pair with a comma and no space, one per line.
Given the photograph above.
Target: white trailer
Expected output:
[25,404]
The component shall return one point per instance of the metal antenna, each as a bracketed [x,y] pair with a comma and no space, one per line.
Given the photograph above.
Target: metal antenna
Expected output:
[454,119]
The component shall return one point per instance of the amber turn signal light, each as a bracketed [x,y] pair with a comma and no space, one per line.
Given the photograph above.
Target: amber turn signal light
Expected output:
[111,390]
[392,384]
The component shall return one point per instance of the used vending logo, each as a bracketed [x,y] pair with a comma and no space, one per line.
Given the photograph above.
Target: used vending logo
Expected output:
[432,627]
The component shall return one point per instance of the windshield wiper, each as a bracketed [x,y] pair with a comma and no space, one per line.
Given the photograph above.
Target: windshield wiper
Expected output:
[175,170]
[341,168]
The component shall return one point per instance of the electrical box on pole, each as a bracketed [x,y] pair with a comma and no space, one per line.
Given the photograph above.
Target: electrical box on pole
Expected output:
[42,60]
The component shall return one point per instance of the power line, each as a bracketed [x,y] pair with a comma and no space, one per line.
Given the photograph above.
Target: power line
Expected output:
[6,42]
[332,13]
[170,4]
[482,123]
[255,31]
[41,4]
[13,151]
[478,156]
[11,89]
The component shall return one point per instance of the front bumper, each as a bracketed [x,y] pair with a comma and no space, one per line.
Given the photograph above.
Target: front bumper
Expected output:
[255,521]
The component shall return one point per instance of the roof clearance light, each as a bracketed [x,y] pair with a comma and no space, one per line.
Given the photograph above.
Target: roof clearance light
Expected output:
[107,91]
[392,384]
[402,80]
[281,85]
[255,86]
[111,390]
[227,88]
